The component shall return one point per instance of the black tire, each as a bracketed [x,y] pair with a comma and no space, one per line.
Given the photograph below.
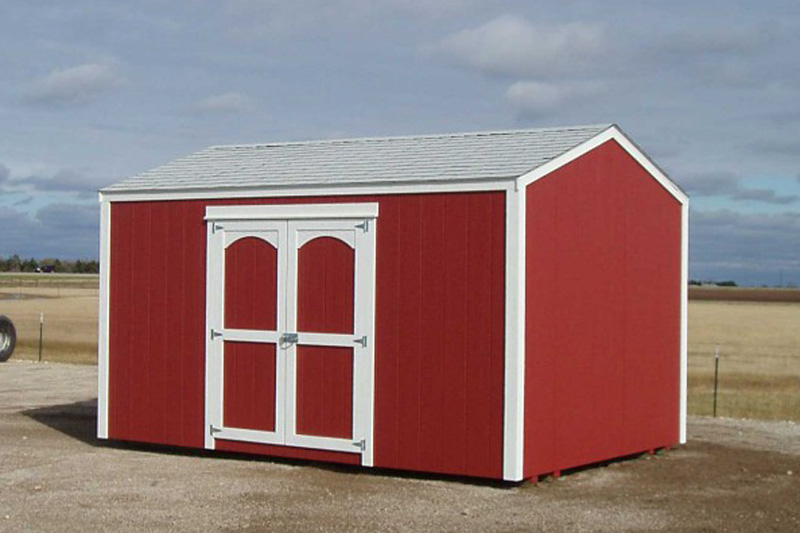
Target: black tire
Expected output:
[8,338]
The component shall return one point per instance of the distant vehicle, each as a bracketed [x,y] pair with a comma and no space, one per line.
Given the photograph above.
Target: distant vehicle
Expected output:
[46,269]
[8,338]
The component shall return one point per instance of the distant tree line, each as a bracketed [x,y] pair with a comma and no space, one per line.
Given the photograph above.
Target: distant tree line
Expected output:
[79,266]
[729,283]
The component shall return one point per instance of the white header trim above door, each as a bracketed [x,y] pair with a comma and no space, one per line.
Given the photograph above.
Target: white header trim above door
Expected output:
[294,211]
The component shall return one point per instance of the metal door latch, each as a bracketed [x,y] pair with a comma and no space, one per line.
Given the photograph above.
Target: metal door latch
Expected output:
[215,334]
[362,341]
[364,225]
[287,339]
[360,444]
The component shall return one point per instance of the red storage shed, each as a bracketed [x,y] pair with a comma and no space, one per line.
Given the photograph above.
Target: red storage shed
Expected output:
[499,304]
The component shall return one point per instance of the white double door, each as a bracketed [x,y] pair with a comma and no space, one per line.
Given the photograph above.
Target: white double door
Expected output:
[290,307]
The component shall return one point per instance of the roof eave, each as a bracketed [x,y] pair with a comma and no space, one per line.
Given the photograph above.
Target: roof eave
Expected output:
[310,189]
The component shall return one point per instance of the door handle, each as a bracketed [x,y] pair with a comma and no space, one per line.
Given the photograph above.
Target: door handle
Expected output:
[287,339]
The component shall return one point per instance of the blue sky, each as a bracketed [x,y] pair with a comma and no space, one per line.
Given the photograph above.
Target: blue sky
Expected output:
[95,91]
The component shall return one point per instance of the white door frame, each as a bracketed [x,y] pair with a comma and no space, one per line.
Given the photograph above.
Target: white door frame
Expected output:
[220,238]
[352,223]
[361,238]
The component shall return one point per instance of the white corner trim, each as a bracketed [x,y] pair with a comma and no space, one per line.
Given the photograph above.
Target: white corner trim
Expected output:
[684,347]
[612,133]
[292,211]
[514,379]
[103,319]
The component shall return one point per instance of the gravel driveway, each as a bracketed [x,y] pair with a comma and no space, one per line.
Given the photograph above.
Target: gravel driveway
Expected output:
[54,476]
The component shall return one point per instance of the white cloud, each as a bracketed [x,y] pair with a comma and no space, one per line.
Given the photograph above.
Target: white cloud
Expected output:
[513,46]
[225,103]
[750,248]
[765,195]
[64,230]
[257,19]
[712,183]
[716,41]
[537,98]
[66,181]
[728,185]
[76,85]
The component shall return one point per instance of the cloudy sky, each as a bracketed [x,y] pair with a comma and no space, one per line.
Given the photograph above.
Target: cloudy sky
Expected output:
[95,91]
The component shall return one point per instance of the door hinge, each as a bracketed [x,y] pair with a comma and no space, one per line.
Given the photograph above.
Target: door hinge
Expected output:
[212,430]
[215,334]
[364,225]
[360,444]
[215,227]
[362,341]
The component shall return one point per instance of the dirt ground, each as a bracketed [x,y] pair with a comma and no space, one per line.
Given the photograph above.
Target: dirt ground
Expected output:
[733,475]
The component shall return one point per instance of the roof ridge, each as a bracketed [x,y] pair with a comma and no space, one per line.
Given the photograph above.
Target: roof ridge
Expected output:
[381,139]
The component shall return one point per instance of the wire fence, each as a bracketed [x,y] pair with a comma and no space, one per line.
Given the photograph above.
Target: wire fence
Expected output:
[55,315]
[745,380]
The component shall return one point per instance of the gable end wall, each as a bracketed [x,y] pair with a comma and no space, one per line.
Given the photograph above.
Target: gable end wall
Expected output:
[603,313]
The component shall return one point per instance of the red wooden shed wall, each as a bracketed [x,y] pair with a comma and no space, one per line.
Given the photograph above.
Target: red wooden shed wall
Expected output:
[439,329]
[603,313]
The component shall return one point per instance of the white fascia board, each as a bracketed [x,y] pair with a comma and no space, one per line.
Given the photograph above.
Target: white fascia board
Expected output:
[300,191]
[292,211]
[514,377]
[103,320]
[615,134]
[684,346]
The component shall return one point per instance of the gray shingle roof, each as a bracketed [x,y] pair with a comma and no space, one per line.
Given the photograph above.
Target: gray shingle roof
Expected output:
[428,158]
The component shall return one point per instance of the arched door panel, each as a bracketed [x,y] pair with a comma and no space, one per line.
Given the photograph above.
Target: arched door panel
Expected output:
[251,285]
[325,286]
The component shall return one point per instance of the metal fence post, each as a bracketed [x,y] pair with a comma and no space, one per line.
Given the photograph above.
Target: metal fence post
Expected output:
[716,377]
[41,334]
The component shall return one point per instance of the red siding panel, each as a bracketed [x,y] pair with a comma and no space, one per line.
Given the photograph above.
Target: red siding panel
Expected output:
[249,386]
[325,391]
[439,328]
[156,373]
[603,313]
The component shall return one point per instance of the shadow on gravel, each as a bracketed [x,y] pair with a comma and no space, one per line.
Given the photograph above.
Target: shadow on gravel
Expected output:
[77,420]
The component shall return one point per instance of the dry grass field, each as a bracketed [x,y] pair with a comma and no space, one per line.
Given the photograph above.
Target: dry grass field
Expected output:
[759,342]
[759,347]
[744,294]
[70,306]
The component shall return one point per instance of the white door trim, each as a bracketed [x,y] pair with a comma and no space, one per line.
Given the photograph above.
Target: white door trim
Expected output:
[361,238]
[346,222]
[219,240]
[292,211]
